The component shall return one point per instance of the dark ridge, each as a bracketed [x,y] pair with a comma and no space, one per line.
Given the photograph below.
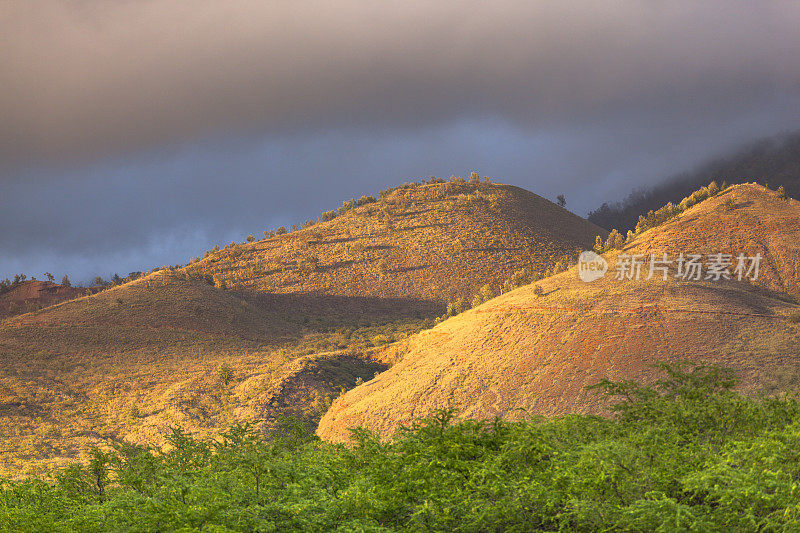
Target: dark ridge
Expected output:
[773,161]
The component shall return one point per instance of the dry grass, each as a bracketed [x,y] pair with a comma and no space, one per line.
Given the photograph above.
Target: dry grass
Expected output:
[297,323]
[758,223]
[532,352]
[35,295]
[436,242]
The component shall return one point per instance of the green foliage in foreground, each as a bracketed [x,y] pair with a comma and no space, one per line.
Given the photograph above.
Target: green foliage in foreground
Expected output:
[685,455]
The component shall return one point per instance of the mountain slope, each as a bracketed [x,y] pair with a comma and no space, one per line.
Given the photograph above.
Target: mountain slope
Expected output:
[522,354]
[743,219]
[266,328]
[775,161]
[32,295]
[436,242]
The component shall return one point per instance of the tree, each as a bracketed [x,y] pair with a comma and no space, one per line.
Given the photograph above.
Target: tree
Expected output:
[615,241]
[225,374]
[99,281]
[782,193]
[562,202]
[598,244]
[49,276]
[65,281]
[484,295]
[250,238]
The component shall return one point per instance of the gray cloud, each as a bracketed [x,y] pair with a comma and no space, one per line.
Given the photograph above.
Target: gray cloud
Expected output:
[84,79]
[136,134]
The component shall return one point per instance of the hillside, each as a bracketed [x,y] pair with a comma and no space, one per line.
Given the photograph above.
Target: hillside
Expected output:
[431,241]
[523,354]
[744,219]
[775,161]
[32,295]
[262,329]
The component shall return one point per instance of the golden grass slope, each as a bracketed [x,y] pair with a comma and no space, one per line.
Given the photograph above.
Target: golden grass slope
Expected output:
[32,295]
[435,242]
[521,355]
[131,361]
[294,325]
[745,218]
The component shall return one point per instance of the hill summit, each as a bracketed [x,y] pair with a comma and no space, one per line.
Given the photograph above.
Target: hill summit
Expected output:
[533,350]
[265,328]
[432,241]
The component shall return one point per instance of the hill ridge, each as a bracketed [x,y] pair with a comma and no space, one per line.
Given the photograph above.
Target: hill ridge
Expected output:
[536,347]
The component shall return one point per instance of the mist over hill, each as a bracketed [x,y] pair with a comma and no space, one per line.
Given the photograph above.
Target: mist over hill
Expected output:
[773,160]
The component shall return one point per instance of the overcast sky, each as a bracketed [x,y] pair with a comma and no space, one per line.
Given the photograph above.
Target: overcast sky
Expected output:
[136,134]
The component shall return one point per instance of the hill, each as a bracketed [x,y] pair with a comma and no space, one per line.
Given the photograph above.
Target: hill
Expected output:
[430,241]
[743,219]
[33,295]
[265,328]
[775,161]
[533,350]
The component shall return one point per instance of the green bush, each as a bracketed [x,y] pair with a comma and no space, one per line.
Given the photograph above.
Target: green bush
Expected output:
[484,295]
[686,453]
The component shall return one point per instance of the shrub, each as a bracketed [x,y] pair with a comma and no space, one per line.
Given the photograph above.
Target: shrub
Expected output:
[669,211]
[327,216]
[538,291]
[615,241]
[782,193]
[250,238]
[281,230]
[687,453]
[65,281]
[457,307]
[225,374]
[365,200]
[518,279]
[484,295]
[598,244]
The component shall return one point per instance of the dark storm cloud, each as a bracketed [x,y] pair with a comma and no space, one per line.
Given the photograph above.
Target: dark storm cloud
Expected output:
[140,133]
[83,79]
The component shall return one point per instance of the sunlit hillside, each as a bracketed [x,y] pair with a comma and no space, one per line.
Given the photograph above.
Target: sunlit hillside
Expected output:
[431,241]
[274,327]
[532,351]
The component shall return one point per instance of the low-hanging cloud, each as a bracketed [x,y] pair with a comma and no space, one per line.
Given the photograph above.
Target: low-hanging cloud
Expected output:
[87,79]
